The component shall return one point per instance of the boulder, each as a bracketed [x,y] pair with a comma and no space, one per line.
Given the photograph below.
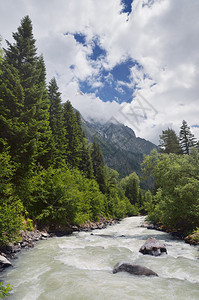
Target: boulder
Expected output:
[4,262]
[133,269]
[153,247]
[45,234]
[192,239]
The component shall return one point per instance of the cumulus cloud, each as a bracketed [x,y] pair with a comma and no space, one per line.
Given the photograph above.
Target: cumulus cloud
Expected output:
[161,35]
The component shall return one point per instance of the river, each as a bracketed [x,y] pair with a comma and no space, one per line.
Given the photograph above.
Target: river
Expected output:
[79,267]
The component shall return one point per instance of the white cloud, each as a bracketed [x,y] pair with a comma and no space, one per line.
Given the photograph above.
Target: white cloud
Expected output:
[162,37]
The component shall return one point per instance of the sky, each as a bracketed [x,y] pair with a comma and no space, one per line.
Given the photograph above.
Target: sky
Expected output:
[129,61]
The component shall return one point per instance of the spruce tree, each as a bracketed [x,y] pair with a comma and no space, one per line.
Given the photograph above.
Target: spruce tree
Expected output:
[187,140]
[46,147]
[21,55]
[1,54]
[12,128]
[85,161]
[72,141]
[169,142]
[86,164]
[56,118]
[98,165]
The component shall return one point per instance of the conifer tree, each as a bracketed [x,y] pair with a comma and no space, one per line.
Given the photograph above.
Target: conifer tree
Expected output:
[21,55]
[56,117]
[12,129]
[187,140]
[169,142]
[1,54]
[80,132]
[46,147]
[98,165]
[86,164]
[71,139]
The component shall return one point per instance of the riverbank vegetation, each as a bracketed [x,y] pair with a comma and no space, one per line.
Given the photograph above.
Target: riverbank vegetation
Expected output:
[175,203]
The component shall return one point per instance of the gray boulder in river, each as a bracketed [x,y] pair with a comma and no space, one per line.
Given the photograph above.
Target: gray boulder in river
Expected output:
[4,262]
[153,247]
[133,269]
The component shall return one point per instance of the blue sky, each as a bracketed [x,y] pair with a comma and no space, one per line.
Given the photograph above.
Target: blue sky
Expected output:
[127,6]
[114,84]
[135,61]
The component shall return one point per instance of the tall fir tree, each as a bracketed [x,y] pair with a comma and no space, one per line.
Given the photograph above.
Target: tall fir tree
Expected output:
[46,146]
[72,140]
[21,55]
[187,140]
[56,118]
[12,129]
[98,165]
[169,142]
[85,161]
[86,164]
[1,54]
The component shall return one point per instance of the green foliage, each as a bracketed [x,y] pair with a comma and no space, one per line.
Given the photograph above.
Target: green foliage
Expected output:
[73,135]
[5,290]
[148,202]
[86,164]
[10,220]
[119,205]
[169,142]
[187,140]
[10,206]
[65,196]
[56,118]
[131,186]
[28,224]
[176,202]
[27,91]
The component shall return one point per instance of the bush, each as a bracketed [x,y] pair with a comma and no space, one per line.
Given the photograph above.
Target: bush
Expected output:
[62,196]
[5,290]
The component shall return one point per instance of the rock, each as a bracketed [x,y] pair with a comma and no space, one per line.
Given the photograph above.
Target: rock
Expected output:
[133,269]
[152,226]
[153,247]
[4,262]
[192,239]
[144,225]
[45,234]
[75,228]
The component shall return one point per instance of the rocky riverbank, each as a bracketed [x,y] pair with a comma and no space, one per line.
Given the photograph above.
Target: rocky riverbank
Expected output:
[28,238]
[192,239]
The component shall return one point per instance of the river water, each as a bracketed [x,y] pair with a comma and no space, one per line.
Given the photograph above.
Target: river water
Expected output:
[79,267]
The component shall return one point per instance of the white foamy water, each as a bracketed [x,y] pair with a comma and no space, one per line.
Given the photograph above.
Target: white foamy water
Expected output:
[79,267]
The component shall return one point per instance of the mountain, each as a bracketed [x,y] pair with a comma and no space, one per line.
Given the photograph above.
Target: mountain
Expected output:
[122,150]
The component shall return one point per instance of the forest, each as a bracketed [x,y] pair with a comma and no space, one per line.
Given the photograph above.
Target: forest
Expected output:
[51,175]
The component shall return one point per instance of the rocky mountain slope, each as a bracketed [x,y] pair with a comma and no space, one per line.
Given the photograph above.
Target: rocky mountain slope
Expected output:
[122,150]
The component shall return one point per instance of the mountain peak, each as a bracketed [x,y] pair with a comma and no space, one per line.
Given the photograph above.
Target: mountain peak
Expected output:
[122,150]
